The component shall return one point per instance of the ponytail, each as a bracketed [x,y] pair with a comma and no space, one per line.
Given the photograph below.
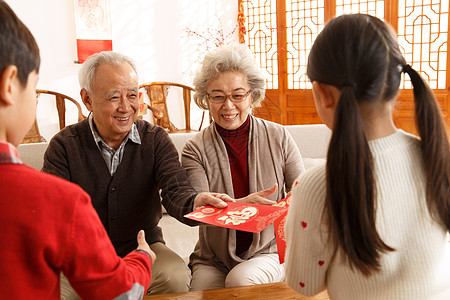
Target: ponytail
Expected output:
[363,64]
[350,204]
[435,148]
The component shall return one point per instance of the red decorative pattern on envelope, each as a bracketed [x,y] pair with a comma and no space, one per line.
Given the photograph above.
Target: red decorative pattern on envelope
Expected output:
[279,228]
[240,216]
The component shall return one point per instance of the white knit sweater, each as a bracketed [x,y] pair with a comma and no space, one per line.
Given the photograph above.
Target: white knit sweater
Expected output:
[403,222]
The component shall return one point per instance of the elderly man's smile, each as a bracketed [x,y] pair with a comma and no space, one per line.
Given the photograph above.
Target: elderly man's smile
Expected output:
[122,119]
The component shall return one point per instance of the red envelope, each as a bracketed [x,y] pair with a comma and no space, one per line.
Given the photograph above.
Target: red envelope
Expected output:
[279,228]
[239,216]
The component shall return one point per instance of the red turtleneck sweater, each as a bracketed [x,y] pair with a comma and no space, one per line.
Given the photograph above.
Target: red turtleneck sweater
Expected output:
[236,142]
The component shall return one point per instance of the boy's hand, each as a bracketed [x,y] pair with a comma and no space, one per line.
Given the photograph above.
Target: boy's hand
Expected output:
[142,245]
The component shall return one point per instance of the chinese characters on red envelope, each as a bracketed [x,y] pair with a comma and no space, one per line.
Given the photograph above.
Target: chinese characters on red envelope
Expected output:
[239,216]
[248,217]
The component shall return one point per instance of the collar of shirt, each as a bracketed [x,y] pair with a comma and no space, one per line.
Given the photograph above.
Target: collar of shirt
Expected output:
[112,156]
[8,154]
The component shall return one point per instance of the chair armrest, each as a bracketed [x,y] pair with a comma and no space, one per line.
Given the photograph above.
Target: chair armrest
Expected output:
[156,112]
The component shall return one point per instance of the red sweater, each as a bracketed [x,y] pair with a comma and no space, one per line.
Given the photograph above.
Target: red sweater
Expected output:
[236,142]
[48,226]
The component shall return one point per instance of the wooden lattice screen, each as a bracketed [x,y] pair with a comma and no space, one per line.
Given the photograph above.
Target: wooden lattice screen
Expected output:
[303,23]
[262,37]
[423,34]
[281,32]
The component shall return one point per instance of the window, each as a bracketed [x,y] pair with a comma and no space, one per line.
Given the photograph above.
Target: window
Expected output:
[281,32]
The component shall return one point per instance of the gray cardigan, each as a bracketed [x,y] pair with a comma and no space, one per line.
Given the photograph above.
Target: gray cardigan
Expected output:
[273,157]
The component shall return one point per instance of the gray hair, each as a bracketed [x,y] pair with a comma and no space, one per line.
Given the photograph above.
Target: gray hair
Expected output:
[235,58]
[86,75]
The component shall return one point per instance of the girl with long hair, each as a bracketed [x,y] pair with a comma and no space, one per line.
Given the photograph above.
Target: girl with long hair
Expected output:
[373,222]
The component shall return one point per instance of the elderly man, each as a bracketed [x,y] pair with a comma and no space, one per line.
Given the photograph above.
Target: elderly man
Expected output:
[122,163]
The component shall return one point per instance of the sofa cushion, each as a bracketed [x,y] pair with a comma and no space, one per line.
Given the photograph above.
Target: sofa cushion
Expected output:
[312,140]
[312,162]
[180,139]
[32,154]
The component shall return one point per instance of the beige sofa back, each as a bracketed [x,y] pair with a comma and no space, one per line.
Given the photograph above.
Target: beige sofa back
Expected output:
[312,141]
[32,154]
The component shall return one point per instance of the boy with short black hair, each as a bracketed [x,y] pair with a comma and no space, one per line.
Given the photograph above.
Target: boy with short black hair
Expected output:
[48,224]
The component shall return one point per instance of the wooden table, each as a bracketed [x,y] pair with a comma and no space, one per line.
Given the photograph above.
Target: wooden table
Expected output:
[270,291]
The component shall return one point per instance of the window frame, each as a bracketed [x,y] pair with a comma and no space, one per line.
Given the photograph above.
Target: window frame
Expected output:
[283,105]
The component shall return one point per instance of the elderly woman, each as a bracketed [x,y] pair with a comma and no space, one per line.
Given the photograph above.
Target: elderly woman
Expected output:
[237,154]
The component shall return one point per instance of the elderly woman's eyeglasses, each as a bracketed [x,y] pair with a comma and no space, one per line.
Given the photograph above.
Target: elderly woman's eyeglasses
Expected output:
[217,97]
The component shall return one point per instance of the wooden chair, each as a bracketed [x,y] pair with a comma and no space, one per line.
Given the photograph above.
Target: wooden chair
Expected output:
[33,135]
[158,92]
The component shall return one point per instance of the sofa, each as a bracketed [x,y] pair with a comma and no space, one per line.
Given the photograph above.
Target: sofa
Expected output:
[312,141]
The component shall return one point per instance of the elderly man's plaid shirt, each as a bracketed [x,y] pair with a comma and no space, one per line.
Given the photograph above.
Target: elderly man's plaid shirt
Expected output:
[112,156]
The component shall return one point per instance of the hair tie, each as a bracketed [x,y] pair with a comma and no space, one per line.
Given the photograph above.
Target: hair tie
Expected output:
[406,68]
[348,83]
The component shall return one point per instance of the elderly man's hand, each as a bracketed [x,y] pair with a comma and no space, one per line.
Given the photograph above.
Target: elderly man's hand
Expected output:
[220,200]
[259,197]
[214,199]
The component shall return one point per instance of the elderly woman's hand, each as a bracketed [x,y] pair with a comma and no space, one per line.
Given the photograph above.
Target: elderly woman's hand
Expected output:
[259,197]
[214,199]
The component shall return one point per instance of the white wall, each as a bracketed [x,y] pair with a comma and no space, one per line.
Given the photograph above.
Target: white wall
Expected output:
[152,32]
